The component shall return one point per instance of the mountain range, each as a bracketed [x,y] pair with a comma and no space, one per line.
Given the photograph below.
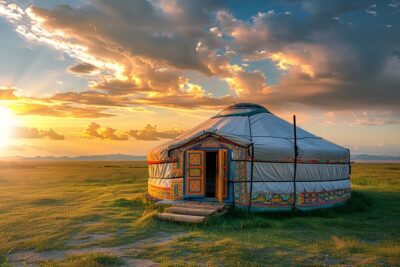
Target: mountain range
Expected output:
[106,157]
[124,157]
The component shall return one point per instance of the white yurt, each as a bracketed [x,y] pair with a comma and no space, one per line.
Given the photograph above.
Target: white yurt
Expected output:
[247,157]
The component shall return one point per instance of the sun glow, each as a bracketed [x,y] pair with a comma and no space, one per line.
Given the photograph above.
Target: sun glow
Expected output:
[5,126]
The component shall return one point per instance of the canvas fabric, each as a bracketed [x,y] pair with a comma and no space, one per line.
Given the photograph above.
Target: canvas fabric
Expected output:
[322,166]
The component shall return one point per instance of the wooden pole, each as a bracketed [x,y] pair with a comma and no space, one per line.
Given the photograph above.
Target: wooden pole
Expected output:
[295,162]
[252,164]
[251,175]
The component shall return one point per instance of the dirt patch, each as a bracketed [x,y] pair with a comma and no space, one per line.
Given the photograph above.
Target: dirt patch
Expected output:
[325,260]
[33,258]
[159,239]
[79,240]
[139,262]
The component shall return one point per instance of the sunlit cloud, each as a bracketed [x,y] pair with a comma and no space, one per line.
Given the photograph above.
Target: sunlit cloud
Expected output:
[34,133]
[94,130]
[148,133]
[11,11]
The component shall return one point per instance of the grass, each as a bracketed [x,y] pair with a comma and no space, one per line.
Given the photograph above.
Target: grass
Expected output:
[90,260]
[54,207]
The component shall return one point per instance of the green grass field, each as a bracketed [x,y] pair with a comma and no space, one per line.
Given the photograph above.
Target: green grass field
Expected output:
[94,214]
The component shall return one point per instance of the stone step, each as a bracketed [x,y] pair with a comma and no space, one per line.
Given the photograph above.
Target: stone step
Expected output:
[181,218]
[190,211]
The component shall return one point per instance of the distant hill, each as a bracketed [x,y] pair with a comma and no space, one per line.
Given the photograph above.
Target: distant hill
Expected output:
[365,157]
[124,157]
[108,157]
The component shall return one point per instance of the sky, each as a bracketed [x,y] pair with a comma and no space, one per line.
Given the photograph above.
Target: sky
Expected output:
[87,77]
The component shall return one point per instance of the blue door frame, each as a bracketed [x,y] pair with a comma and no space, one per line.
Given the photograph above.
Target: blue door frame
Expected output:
[230,187]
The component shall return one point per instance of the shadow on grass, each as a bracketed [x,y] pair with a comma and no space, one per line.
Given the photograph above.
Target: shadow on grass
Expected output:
[238,219]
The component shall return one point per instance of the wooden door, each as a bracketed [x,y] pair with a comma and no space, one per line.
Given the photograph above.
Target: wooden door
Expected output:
[194,173]
[222,177]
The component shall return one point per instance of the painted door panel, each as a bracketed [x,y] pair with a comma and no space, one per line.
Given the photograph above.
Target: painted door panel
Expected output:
[222,177]
[194,173]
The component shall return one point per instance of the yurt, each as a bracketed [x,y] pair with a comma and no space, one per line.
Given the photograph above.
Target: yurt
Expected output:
[247,157]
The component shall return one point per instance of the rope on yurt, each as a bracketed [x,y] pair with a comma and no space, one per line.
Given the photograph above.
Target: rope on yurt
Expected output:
[295,162]
[252,164]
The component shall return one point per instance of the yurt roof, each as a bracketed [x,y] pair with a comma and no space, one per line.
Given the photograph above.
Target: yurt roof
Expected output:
[272,137]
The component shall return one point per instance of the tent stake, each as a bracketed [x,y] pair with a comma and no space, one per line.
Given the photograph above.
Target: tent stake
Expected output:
[295,162]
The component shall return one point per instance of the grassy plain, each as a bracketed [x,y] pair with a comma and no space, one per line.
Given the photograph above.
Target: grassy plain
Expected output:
[94,214]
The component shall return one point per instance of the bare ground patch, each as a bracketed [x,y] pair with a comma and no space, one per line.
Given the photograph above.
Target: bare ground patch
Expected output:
[34,258]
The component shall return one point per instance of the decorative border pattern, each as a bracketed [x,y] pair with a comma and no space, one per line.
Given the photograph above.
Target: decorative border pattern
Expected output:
[159,192]
[195,172]
[312,199]
[174,192]
[195,159]
[304,199]
[272,200]
[195,186]
[177,189]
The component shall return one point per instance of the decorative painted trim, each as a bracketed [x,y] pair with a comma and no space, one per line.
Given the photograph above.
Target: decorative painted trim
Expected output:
[195,159]
[166,178]
[205,135]
[312,199]
[195,186]
[154,162]
[174,192]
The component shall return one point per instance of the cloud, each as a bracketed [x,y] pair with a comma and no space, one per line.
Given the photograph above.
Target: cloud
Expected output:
[22,105]
[116,87]
[328,55]
[90,98]
[94,130]
[7,94]
[42,108]
[11,11]
[368,119]
[34,133]
[82,68]
[122,30]
[148,133]
[326,64]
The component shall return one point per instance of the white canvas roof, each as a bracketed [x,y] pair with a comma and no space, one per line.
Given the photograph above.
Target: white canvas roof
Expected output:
[272,137]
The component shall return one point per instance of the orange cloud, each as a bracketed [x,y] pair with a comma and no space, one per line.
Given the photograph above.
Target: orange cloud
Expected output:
[7,94]
[148,133]
[34,133]
[94,130]
[56,110]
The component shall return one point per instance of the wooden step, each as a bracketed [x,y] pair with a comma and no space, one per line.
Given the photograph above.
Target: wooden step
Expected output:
[200,206]
[181,218]
[190,211]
